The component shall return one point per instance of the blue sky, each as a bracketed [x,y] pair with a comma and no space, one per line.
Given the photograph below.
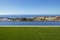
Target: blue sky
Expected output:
[29,7]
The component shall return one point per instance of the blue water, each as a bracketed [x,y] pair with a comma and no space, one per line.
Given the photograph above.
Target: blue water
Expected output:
[26,23]
[29,23]
[23,16]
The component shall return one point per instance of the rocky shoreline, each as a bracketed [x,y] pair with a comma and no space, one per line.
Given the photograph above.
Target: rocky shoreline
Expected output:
[36,18]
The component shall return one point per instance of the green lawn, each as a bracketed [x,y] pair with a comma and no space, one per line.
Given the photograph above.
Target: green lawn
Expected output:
[29,33]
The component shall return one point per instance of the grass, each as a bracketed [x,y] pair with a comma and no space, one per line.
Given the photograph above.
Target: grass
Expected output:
[29,33]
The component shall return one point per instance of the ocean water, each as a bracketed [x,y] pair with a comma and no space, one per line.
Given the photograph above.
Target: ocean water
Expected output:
[26,23]
[29,23]
[23,16]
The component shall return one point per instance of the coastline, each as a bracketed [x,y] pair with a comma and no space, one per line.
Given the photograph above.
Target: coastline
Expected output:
[32,18]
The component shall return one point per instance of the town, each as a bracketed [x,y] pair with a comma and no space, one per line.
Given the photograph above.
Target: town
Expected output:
[34,19]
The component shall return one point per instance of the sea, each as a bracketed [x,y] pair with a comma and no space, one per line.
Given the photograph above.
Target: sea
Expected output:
[27,23]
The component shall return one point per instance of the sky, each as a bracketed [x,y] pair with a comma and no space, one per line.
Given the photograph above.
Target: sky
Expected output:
[29,7]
